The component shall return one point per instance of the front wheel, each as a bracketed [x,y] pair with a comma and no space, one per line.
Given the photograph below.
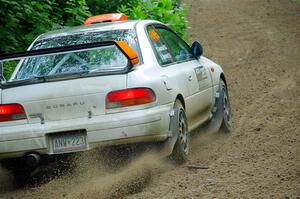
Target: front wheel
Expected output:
[225,108]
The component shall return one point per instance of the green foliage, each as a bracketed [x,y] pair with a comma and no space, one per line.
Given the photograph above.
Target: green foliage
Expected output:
[166,11]
[105,6]
[76,11]
[9,68]
[21,21]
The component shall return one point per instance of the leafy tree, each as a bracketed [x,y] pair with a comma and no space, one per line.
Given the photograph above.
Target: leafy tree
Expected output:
[105,6]
[169,12]
[21,21]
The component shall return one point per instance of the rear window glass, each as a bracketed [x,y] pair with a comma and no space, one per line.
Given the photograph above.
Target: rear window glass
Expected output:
[129,36]
[102,59]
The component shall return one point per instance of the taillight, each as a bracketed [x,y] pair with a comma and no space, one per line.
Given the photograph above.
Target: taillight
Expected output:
[11,112]
[129,97]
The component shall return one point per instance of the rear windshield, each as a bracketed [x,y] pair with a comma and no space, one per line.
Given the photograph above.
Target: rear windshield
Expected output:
[102,59]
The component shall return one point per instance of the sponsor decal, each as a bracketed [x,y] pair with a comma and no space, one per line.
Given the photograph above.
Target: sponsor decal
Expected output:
[202,77]
[154,35]
[200,73]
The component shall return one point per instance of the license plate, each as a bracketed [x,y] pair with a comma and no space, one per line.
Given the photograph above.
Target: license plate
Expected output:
[68,142]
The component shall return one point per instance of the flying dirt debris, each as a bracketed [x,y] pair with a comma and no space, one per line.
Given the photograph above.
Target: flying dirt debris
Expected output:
[6,181]
[92,178]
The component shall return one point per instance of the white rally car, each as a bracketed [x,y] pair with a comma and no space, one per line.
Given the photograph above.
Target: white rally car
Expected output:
[110,83]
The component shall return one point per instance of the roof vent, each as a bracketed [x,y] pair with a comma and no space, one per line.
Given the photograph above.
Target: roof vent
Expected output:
[113,17]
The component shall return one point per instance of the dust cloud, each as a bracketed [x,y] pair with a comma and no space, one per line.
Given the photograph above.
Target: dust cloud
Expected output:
[97,176]
[6,180]
[128,180]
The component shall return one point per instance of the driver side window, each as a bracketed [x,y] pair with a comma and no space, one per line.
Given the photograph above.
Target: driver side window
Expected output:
[162,51]
[168,47]
[179,49]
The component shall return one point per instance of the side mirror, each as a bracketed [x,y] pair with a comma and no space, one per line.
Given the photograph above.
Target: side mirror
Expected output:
[2,78]
[197,49]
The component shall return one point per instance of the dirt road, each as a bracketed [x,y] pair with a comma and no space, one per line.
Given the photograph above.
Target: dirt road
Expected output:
[258,44]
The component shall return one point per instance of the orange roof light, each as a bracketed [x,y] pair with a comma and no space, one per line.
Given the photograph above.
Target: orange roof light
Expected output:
[113,17]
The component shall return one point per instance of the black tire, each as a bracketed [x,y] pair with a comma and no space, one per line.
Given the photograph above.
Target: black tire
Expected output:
[182,146]
[22,177]
[18,170]
[226,125]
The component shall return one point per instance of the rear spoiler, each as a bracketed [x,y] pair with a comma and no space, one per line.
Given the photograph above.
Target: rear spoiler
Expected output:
[123,46]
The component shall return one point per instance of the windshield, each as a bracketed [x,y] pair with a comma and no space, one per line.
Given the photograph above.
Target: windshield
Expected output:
[102,59]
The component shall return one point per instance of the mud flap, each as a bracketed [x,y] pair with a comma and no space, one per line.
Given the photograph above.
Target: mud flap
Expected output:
[215,123]
[169,144]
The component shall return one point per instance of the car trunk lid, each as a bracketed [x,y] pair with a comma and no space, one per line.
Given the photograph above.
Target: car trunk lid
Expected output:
[64,100]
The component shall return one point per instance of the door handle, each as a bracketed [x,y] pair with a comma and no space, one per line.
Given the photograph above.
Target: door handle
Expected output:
[165,81]
[190,78]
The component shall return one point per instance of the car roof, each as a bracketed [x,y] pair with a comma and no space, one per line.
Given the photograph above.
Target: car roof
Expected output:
[129,24]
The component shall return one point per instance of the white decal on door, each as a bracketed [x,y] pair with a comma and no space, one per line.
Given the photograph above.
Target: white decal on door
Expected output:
[202,77]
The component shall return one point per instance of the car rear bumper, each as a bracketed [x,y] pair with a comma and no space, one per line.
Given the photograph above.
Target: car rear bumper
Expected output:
[145,125]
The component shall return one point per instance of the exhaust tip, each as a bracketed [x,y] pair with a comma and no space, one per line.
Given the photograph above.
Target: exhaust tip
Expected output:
[32,159]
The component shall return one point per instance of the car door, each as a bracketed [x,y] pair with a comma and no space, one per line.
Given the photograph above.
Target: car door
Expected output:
[180,66]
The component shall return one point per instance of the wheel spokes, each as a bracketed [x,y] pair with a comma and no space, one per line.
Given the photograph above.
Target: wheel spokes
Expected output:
[183,133]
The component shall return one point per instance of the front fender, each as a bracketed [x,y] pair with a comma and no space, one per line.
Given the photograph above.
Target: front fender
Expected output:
[215,70]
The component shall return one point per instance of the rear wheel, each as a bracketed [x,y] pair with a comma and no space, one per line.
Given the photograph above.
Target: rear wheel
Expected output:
[182,145]
[19,170]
